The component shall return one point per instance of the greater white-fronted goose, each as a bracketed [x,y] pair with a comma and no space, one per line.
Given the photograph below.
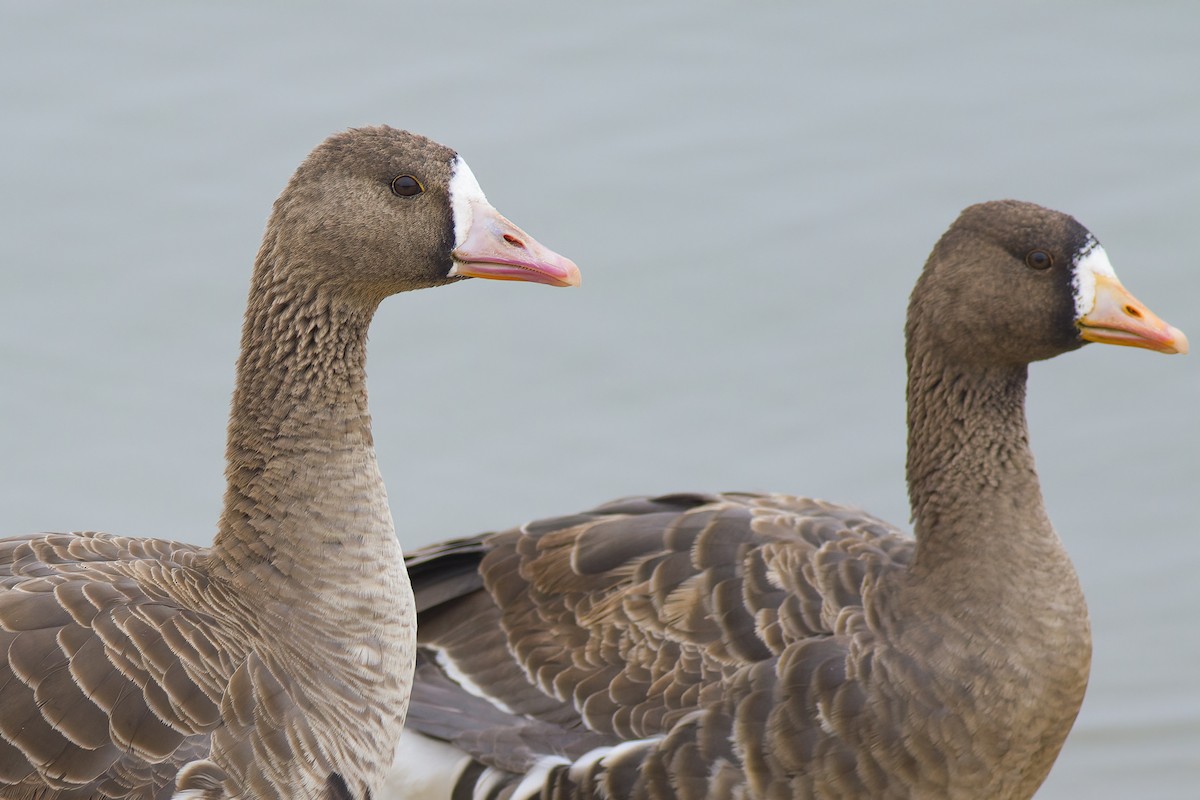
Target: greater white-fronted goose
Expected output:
[277,662]
[768,646]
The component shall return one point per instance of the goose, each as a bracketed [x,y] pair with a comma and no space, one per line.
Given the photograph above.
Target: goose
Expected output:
[754,646]
[276,662]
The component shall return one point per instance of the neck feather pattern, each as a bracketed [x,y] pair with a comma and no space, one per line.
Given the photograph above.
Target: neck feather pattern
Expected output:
[984,541]
[304,495]
[970,468]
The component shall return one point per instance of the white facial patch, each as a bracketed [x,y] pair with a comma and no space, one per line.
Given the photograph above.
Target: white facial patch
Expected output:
[1091,262]
[464,195]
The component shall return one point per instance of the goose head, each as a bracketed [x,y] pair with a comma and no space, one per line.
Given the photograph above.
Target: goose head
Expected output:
[1012,282]
[376,211]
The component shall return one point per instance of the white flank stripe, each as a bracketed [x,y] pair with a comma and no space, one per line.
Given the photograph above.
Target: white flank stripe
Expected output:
[532,783]
[582,765]
[628,747]
[585,762]
[462,679]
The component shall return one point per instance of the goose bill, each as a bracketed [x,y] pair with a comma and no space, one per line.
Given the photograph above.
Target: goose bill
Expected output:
[1117,317]
[497,249]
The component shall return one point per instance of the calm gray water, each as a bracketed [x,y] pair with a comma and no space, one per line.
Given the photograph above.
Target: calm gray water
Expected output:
[750,194]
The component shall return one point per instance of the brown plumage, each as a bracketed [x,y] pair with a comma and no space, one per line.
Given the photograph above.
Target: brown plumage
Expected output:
[277,662]
[766,646]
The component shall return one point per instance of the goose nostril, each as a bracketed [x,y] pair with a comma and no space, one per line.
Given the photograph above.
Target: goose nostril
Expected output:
[514,241]
[1133,312]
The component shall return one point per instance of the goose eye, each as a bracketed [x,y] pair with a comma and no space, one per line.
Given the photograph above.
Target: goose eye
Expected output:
[1039,259]
[406,186]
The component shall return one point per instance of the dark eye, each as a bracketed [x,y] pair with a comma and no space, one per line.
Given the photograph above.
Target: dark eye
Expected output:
[1039,259]
[407,186]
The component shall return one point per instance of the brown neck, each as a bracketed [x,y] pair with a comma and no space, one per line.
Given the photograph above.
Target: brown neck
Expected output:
[304,494]
[983,535]
[970,471]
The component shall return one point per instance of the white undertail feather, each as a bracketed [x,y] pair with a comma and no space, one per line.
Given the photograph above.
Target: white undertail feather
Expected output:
[423,769]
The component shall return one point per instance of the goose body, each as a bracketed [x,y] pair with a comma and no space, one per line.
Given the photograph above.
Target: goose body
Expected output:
[277,662]
[743,646]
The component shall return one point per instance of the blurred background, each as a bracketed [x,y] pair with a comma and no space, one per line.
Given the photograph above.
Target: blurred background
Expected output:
[750,192]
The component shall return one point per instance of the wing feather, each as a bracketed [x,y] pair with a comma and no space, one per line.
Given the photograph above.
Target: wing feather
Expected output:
[98,693]
[668,628]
